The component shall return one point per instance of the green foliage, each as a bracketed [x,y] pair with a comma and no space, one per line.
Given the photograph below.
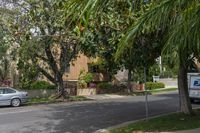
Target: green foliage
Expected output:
[28,75]
[4,68]
[106,88]
[167,74]
[88,77]
[48,42]
[167,123]
[102,35]
[37,85]
[163,90]
[150,72]
[84,78]
[104,85]
[154,85]
[178,44]
[42,100]
[154,70]
[45,100]
[5,54]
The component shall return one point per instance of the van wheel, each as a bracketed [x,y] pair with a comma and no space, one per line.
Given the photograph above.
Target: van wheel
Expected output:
[15,102]
[192,100]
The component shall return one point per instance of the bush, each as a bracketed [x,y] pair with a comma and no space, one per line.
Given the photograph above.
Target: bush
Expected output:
[84,78]
[104,85]
[167,74]
[155,85]
[106,88]
[42,85]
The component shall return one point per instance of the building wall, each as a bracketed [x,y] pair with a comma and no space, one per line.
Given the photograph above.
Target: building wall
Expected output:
[76,66]
[80,63]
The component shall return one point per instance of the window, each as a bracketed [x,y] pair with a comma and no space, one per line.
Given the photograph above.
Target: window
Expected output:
[1,91]
[9,91]
[93,69]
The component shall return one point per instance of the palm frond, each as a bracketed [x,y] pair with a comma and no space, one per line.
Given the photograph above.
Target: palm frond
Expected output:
[170,14]
[184,35]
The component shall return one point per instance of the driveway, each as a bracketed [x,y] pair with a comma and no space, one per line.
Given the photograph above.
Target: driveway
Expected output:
[83,117]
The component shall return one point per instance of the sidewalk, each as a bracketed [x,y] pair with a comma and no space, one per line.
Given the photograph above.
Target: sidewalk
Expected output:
[197,130]
[105,96]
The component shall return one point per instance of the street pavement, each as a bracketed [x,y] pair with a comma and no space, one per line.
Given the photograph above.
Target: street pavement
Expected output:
[83,117]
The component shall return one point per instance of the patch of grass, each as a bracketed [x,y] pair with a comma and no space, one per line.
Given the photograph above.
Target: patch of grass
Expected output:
[164,90]
[41,100]
[168,123]
[141,93]
[52,100]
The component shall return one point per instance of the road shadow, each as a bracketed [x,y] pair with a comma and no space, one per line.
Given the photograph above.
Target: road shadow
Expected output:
[87,118]
[5,106]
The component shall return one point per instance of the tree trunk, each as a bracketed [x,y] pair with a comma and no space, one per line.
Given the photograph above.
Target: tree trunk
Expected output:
[185,105]
[129,86]
[61,90]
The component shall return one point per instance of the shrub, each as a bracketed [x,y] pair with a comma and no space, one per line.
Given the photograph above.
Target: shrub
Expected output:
[84,78]
[42,85]
[155,85]
[105,88]
[104,85]
[167,74]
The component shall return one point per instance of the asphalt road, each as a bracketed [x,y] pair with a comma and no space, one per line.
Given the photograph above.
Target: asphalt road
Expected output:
[83,117]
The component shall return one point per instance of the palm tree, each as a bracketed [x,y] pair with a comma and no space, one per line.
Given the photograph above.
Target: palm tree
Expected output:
[180,19]
[89,8]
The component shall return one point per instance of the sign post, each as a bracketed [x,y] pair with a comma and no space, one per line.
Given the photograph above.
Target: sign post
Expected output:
[146,95]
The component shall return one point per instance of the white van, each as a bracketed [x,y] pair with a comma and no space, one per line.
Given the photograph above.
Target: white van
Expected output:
[194,86]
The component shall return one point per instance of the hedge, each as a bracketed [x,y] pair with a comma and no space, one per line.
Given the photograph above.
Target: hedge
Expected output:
[109,88]
[104,85]
[155,85]
[41,85]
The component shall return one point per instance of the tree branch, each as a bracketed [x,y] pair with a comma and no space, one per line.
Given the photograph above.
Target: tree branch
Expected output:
[46,74]
[41,57]
[51,60]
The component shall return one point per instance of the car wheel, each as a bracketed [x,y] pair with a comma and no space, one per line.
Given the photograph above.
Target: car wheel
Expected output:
[192,100]
[15,102]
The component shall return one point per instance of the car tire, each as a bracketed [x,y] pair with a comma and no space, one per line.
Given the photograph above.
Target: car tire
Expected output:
[192,100]
[16,102]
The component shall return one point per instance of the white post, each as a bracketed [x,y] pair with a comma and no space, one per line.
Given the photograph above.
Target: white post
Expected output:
[160,64]
[146,95]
